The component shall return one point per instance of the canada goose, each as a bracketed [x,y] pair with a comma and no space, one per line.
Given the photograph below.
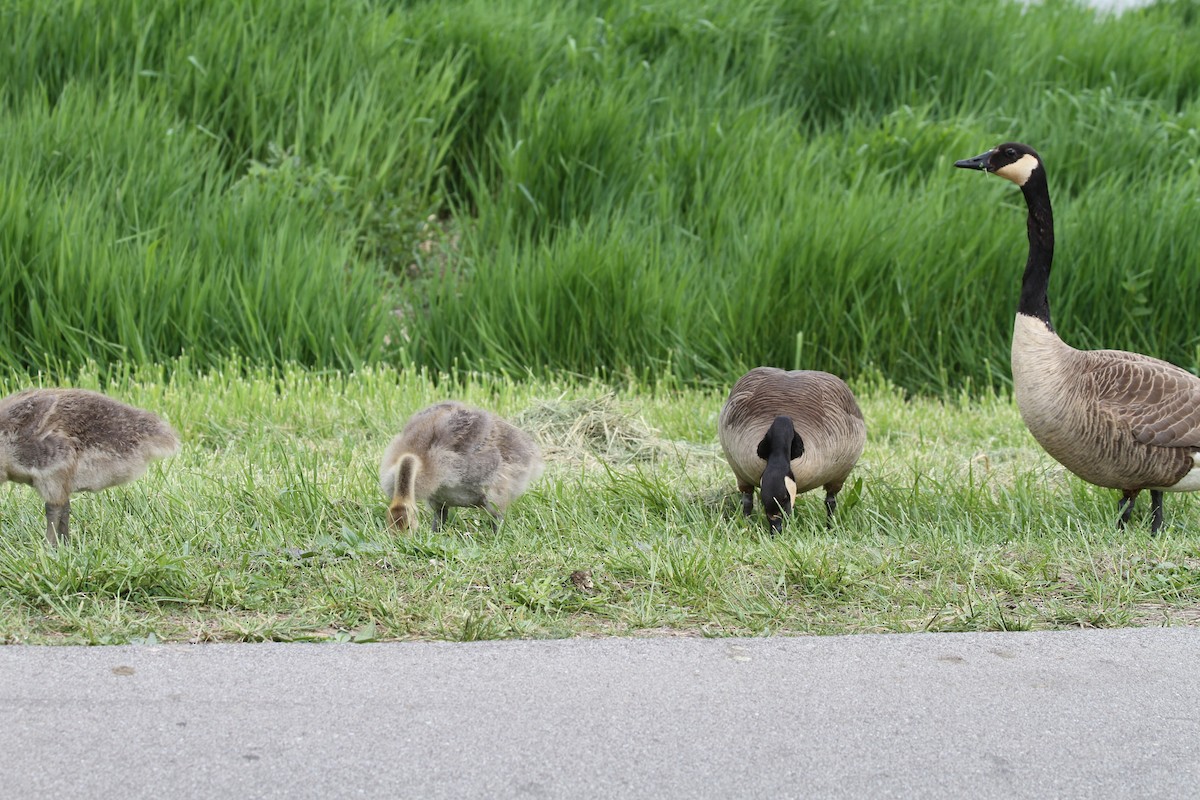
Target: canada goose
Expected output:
[61,441]
[450,454]
[790,432]
[1116,419]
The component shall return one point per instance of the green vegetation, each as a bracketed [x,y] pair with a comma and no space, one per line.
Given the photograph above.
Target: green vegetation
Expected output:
[286,226]
[606,187]
[270,525]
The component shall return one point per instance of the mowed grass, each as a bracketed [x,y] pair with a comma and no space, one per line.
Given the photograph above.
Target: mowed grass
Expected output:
[270,525]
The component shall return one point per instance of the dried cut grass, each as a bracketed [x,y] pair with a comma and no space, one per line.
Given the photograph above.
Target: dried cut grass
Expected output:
[593,431]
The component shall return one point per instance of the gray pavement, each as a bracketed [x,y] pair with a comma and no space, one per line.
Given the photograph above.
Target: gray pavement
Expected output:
[1053,714]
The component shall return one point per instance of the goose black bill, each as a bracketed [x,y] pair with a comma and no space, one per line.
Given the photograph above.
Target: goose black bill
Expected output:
[978,162]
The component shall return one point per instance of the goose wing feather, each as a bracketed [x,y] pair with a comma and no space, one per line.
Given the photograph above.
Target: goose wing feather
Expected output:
[1158,401]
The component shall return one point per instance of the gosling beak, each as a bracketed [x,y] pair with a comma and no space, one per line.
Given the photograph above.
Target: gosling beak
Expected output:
[978,162]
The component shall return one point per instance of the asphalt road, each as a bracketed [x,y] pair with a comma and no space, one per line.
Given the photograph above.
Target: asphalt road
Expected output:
[1065,714]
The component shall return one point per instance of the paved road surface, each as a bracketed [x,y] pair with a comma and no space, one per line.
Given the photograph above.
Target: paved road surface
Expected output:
[1065,714]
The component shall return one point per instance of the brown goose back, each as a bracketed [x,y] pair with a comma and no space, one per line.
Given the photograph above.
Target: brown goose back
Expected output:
[823,411]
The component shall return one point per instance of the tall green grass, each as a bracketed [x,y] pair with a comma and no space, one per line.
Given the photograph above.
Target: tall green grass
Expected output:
[783,193]
[181,177]
[624,188]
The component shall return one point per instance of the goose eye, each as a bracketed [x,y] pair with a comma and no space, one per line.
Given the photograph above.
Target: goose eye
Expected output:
[1010,152]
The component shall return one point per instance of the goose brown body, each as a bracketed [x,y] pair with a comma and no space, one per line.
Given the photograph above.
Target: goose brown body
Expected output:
[1116,419]
[61,441]
[450,454]
[823,412]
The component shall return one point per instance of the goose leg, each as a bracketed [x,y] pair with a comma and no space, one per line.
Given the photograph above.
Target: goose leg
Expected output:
[747,498]
[1156,510]
[57,521]
[830,507]
[1125,507]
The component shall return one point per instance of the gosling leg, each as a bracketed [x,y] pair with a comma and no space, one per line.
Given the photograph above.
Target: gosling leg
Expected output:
[57,522]
[439,517]
[496,513]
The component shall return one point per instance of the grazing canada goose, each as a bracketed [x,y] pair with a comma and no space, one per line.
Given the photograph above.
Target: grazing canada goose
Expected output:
[790,432]
[1116,419]
[61,441]
[450,454]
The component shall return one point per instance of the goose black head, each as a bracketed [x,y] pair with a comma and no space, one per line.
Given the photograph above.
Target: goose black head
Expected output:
[1012,160]
[778,448]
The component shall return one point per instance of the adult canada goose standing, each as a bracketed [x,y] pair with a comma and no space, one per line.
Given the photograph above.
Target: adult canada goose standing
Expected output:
[450,454]
[789,432]
[61,441]
[1116,419]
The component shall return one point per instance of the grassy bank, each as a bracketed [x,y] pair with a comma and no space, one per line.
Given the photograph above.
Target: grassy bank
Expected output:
[584,186]
[270,525]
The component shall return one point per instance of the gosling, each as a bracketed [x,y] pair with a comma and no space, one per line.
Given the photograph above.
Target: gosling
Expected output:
[790,432]
[451,454]
[62,441]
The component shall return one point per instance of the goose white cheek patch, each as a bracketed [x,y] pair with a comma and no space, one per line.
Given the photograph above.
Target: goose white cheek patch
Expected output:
[1019,171]
[791,489]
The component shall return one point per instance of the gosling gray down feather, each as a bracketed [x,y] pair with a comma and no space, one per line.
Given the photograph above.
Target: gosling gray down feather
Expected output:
[1116,419]
[824,413]
[450,454]
[61,441]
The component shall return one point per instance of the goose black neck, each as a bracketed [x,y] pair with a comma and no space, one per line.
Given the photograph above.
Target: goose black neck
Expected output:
[773,482]
[779,463]
[1041,248]
[774,489]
